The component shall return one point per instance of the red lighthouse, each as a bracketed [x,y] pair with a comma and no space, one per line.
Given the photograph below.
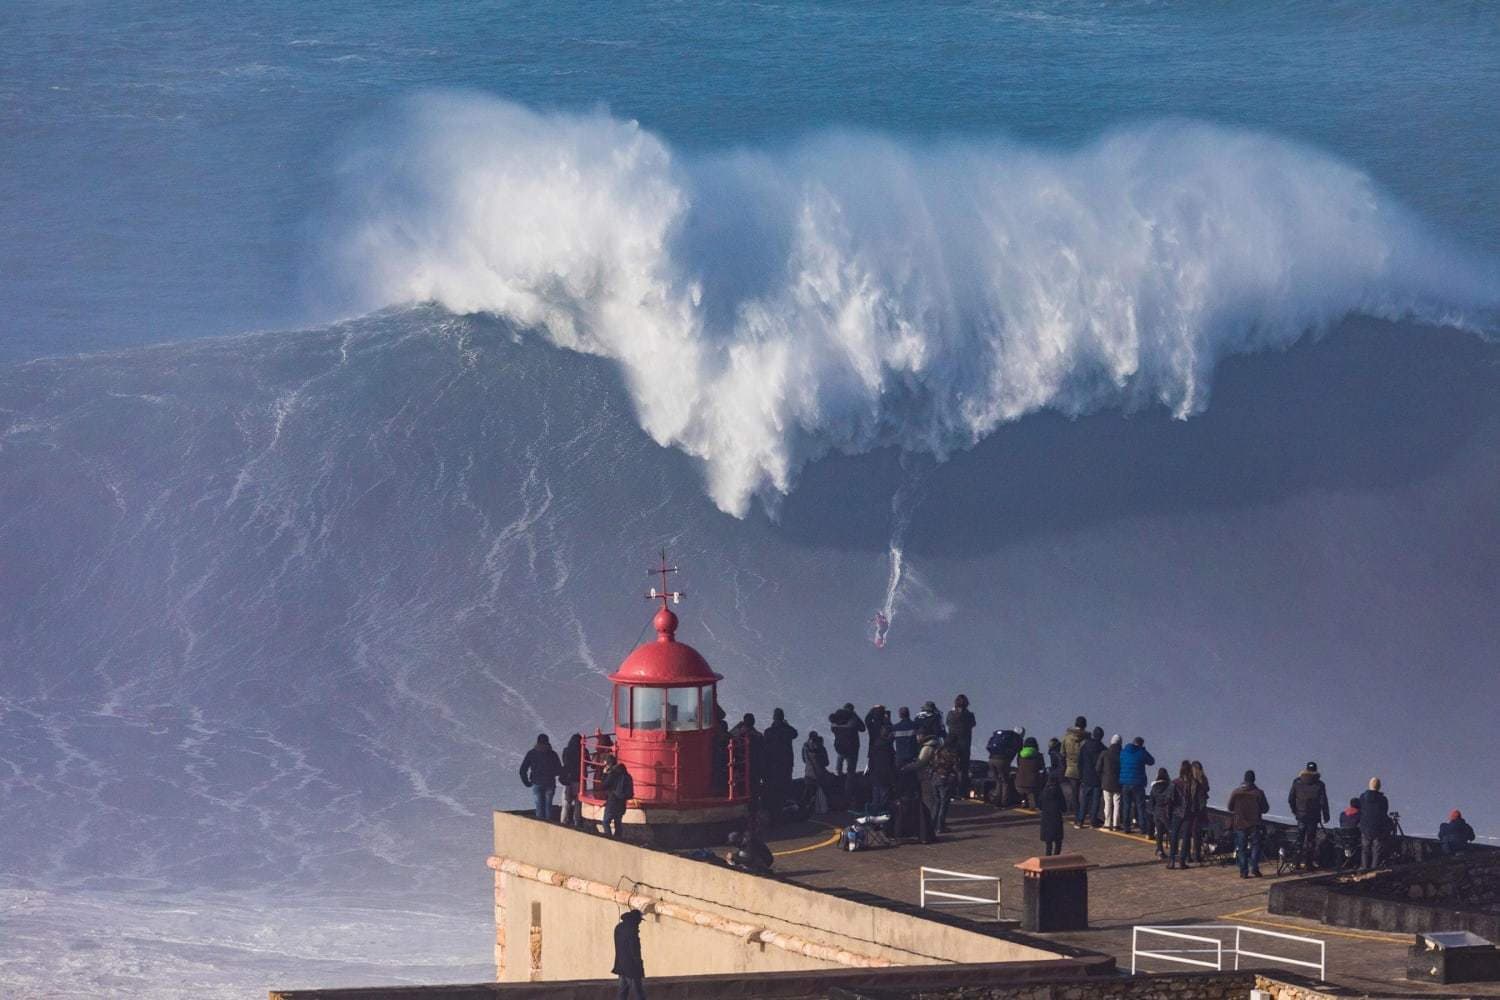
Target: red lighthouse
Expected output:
[691,780]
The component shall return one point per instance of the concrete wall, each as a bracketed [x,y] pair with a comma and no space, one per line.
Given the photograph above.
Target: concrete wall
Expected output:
[1017,981]
[553,929]
[1453,894]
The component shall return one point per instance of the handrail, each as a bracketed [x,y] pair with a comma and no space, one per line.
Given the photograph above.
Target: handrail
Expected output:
[1238,949]
[1171,956]
[942,898]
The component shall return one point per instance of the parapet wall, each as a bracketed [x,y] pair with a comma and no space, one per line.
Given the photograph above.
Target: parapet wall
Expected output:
[1453,894]
[559,894]
[1017,981]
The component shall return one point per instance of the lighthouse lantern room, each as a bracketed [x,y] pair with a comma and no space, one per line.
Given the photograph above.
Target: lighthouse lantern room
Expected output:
[690,778]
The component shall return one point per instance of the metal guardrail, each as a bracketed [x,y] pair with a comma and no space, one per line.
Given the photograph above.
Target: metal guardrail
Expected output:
[1218,947]
[941,897]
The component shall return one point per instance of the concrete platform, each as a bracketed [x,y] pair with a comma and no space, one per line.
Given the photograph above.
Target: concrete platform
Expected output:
[1129,887]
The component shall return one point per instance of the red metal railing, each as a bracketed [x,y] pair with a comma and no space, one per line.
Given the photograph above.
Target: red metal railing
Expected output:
[656,771]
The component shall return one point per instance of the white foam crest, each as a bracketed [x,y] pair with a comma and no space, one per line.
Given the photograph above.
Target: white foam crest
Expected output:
[854,292]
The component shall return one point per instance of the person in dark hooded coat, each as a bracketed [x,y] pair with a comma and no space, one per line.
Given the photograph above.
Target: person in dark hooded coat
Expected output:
[1053,803]
[847,725]
[779,741]
[628,965]
[960,740]
[1308,801]
[1031,769]
[882,765]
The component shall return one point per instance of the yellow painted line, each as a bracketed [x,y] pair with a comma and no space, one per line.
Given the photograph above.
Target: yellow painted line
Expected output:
[833,838]
[1317,928]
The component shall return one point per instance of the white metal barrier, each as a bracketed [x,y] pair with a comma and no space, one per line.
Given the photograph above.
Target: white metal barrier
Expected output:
[1218,947]
[939,897]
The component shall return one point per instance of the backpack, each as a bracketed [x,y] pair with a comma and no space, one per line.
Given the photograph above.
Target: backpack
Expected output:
[945,767]
[1002,744]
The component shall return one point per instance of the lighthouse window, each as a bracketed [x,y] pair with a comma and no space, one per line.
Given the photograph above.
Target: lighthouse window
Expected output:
[622,707]
[682,708]
[708,706]
[646,705]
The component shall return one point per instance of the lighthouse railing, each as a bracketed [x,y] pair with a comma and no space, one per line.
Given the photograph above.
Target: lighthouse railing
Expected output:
[657,770]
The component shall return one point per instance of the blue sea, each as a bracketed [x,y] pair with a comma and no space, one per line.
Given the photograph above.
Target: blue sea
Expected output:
[1134,359]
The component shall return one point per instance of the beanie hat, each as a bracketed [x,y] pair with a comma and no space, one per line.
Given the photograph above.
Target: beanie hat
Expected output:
[1114,740]
[1312,766]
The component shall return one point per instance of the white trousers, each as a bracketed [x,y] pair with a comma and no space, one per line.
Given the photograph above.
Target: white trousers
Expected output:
[1112,810]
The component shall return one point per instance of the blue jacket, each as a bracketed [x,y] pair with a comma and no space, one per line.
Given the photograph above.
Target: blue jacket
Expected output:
[904,736]
[1133,763]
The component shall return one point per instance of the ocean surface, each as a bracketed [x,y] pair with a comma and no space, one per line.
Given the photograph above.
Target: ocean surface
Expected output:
[1136,360]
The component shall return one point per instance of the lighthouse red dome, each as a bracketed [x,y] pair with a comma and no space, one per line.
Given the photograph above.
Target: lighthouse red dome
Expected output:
[666,661]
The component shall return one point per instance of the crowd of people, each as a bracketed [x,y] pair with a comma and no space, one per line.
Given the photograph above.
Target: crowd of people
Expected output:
[915,766]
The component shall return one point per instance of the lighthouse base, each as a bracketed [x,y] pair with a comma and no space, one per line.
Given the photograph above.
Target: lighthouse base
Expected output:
[675,827]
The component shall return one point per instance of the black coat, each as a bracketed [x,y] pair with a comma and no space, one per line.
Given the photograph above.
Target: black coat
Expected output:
[753,742]
[882,760]
[846,729]
[540,766]
[1374,814]
[1088,762]
[779,739]
[628,948]
[1109,768]
[960,724]
[572,759]
[1053,804]
[618,784]
[1308,798]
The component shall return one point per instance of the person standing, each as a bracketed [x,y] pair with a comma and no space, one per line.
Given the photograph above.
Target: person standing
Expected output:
[847,725]
[881,771]
[1002,748]
[749,740]
[1247,804]
[960,739]
[619,789]
[779,740]
[874,718]
[1374,821]
[572,778]
[628,965]
[924,768]
[1109,782]
[539,771]
[1181,824]
[904,737]
[1308,801]
[1088,780]
[1072,742]
[930,720]
[1161,801]
[815,771]
[1199,810]
[1134,759]
[1052,803]
[1031,771]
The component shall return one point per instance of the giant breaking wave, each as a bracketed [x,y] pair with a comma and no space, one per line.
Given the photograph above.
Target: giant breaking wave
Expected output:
[852,291]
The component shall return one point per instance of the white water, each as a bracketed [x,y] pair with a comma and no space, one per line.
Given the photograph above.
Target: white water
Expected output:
[854,291]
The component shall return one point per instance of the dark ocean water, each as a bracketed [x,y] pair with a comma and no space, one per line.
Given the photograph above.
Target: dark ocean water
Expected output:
[283,609]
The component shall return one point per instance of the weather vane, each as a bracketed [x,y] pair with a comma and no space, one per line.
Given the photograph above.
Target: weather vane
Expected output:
[664,595]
